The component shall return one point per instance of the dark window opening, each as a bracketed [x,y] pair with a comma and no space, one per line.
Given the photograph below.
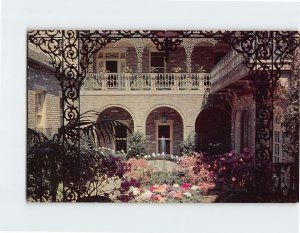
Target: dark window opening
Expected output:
[112,66]
[158,61]
[121,138]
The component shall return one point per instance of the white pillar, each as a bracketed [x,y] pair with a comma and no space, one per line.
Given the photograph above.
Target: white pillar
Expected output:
[139,45]
[189,44]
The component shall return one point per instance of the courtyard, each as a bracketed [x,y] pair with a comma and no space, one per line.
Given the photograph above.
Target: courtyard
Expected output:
[130,120]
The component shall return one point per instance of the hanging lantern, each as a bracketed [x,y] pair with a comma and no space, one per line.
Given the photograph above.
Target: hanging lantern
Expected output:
[164,118]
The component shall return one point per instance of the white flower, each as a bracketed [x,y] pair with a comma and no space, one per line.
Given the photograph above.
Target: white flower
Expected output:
[187,194]
[176,157]
[129,149]
[195,187]
[176,185]
[135,191]
[163,153]
[146,195]
[172,156]
[122,151]
[153,154]
[145,156]
[158,154]
[137,156]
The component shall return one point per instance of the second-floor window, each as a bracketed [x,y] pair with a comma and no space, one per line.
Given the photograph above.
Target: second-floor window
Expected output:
[111,62]
[157,62]
[111,66]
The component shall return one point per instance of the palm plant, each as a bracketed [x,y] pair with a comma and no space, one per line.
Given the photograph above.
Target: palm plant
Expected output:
[70,156]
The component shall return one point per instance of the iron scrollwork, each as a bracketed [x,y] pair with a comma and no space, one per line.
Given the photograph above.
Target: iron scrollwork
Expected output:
[71,51]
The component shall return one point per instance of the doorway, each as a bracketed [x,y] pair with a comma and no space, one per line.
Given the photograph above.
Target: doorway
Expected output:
[164,138]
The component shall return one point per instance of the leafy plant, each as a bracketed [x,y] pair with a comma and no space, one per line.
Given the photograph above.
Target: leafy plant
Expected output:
[137,144]
[162,177]
[291,120]
[51,161]
[188,146]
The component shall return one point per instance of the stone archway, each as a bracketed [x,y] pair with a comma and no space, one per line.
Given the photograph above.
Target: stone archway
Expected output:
[121,132]
[164,123]
[213,126]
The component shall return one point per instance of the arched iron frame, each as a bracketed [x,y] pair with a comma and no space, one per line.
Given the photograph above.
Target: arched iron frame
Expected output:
[264,53]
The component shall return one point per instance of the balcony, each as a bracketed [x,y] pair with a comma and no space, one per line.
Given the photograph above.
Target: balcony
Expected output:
[134,82]
[231,69]
[228,70]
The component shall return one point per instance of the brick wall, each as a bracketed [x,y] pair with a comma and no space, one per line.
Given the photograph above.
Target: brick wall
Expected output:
[52,111]
[177,59]
[131,59]
[119,114]
[31,121]
[146,61]
[42,79]
[201,56]
[173,116]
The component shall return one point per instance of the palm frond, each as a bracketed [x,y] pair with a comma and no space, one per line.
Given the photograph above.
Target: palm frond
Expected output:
[101,130]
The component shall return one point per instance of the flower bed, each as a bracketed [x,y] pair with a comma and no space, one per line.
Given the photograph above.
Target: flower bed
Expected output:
[232,171]
[182,184]
[185,179]
[166,193]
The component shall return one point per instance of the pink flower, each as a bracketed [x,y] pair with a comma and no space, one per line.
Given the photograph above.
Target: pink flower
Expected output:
[176,194]
[186,186]
[206,186]
[157,198]
[162,189]
[153,188]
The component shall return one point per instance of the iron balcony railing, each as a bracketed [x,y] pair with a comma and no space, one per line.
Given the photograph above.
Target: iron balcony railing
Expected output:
[147,81]
[230,62]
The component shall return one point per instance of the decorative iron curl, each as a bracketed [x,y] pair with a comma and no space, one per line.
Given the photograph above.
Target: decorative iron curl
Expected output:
[50,43]
[166,45]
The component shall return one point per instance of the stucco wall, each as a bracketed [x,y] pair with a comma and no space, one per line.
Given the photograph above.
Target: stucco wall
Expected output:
[140,105]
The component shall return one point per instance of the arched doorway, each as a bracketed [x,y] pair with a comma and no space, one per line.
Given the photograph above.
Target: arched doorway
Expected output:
[121,131]
[213,130]
[164,130]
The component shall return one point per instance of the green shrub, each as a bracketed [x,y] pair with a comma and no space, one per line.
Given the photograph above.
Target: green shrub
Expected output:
[188,146]
[162,177]
[137,145]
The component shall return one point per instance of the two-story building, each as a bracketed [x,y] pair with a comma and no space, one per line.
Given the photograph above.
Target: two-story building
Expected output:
[202,87]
